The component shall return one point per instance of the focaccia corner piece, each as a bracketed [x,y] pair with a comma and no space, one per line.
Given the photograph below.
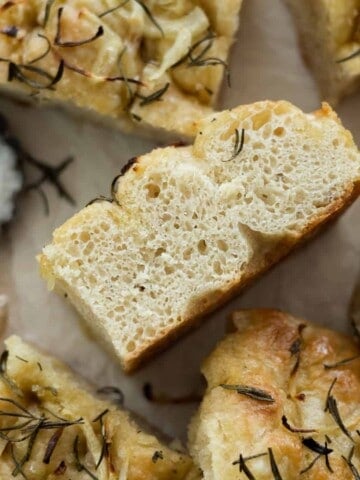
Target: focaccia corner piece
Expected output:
[282,402]
[187,227]
[329,34]
[52,427]
[138,63]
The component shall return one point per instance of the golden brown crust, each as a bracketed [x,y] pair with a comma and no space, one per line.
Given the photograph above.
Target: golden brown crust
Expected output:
[328,31]
[119,56]
[295,364]
[49,391]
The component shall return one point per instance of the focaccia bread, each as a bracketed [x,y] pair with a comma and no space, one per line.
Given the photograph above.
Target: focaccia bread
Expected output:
[187,227]
[139,63]
[282,402]
[329,35]
[52,427]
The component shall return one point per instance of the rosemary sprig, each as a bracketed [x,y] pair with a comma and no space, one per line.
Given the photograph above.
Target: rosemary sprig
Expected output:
[150,16]
[341,362]
[242,464]
[99,78]
[349,57]
[10,31]
[154,97]
[332,408]
[311,464]
[49,4]
[274,468]
[5,377]
[54,440]
[60,43]
[287,425]
[80,466]
[252,392]
[47,51]
[111,10]
[354,470]
[104,446]
[61,468]
[239,144]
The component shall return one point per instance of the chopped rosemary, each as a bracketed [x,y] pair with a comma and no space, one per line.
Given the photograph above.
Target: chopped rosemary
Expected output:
[295,349]
[274,468]
[102,198]
[49,4]
[54,439]
[349,57]
[293,429]
[354,470]
[252,392]
[111,10]
[104,446]
[115,394]
[47,51]
[164,399]
[150,16]
[154,97]
[196,58]
[99,78]
[242,464]
[11,31]
[22,359]
[61,468]
[4,376]
[39,366]
[59,43]
[341,362]
[316,447]
[80,466]
[158,455]
[15,72]
[332,408]
[239,144]
[311,464]
[48,174]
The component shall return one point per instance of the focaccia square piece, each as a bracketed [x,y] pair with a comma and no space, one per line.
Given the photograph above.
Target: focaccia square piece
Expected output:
[187,227]
[282,402]
[139,63]
[52,427]
[329,35]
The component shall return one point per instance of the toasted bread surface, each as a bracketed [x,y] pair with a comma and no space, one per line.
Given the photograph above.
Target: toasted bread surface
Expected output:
[283,396]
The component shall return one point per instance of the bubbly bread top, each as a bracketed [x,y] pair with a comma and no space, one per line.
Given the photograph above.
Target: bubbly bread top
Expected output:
[119,58]
[282,402]
[52,427]
[330,37]
[187,226]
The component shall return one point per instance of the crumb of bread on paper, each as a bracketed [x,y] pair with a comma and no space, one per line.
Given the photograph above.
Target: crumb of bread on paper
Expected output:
[329,37]
[188,227]
[137,64]
[52,426]
[283,396]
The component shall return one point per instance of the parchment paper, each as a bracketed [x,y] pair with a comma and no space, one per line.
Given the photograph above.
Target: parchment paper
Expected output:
[315,282]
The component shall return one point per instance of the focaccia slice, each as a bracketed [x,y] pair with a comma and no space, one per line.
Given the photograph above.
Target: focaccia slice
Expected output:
[137,63]
[329,35]
[188,227]
[53,427]
[282,402]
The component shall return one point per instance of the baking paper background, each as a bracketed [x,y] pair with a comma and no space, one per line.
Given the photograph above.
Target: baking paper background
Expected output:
[315,282]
